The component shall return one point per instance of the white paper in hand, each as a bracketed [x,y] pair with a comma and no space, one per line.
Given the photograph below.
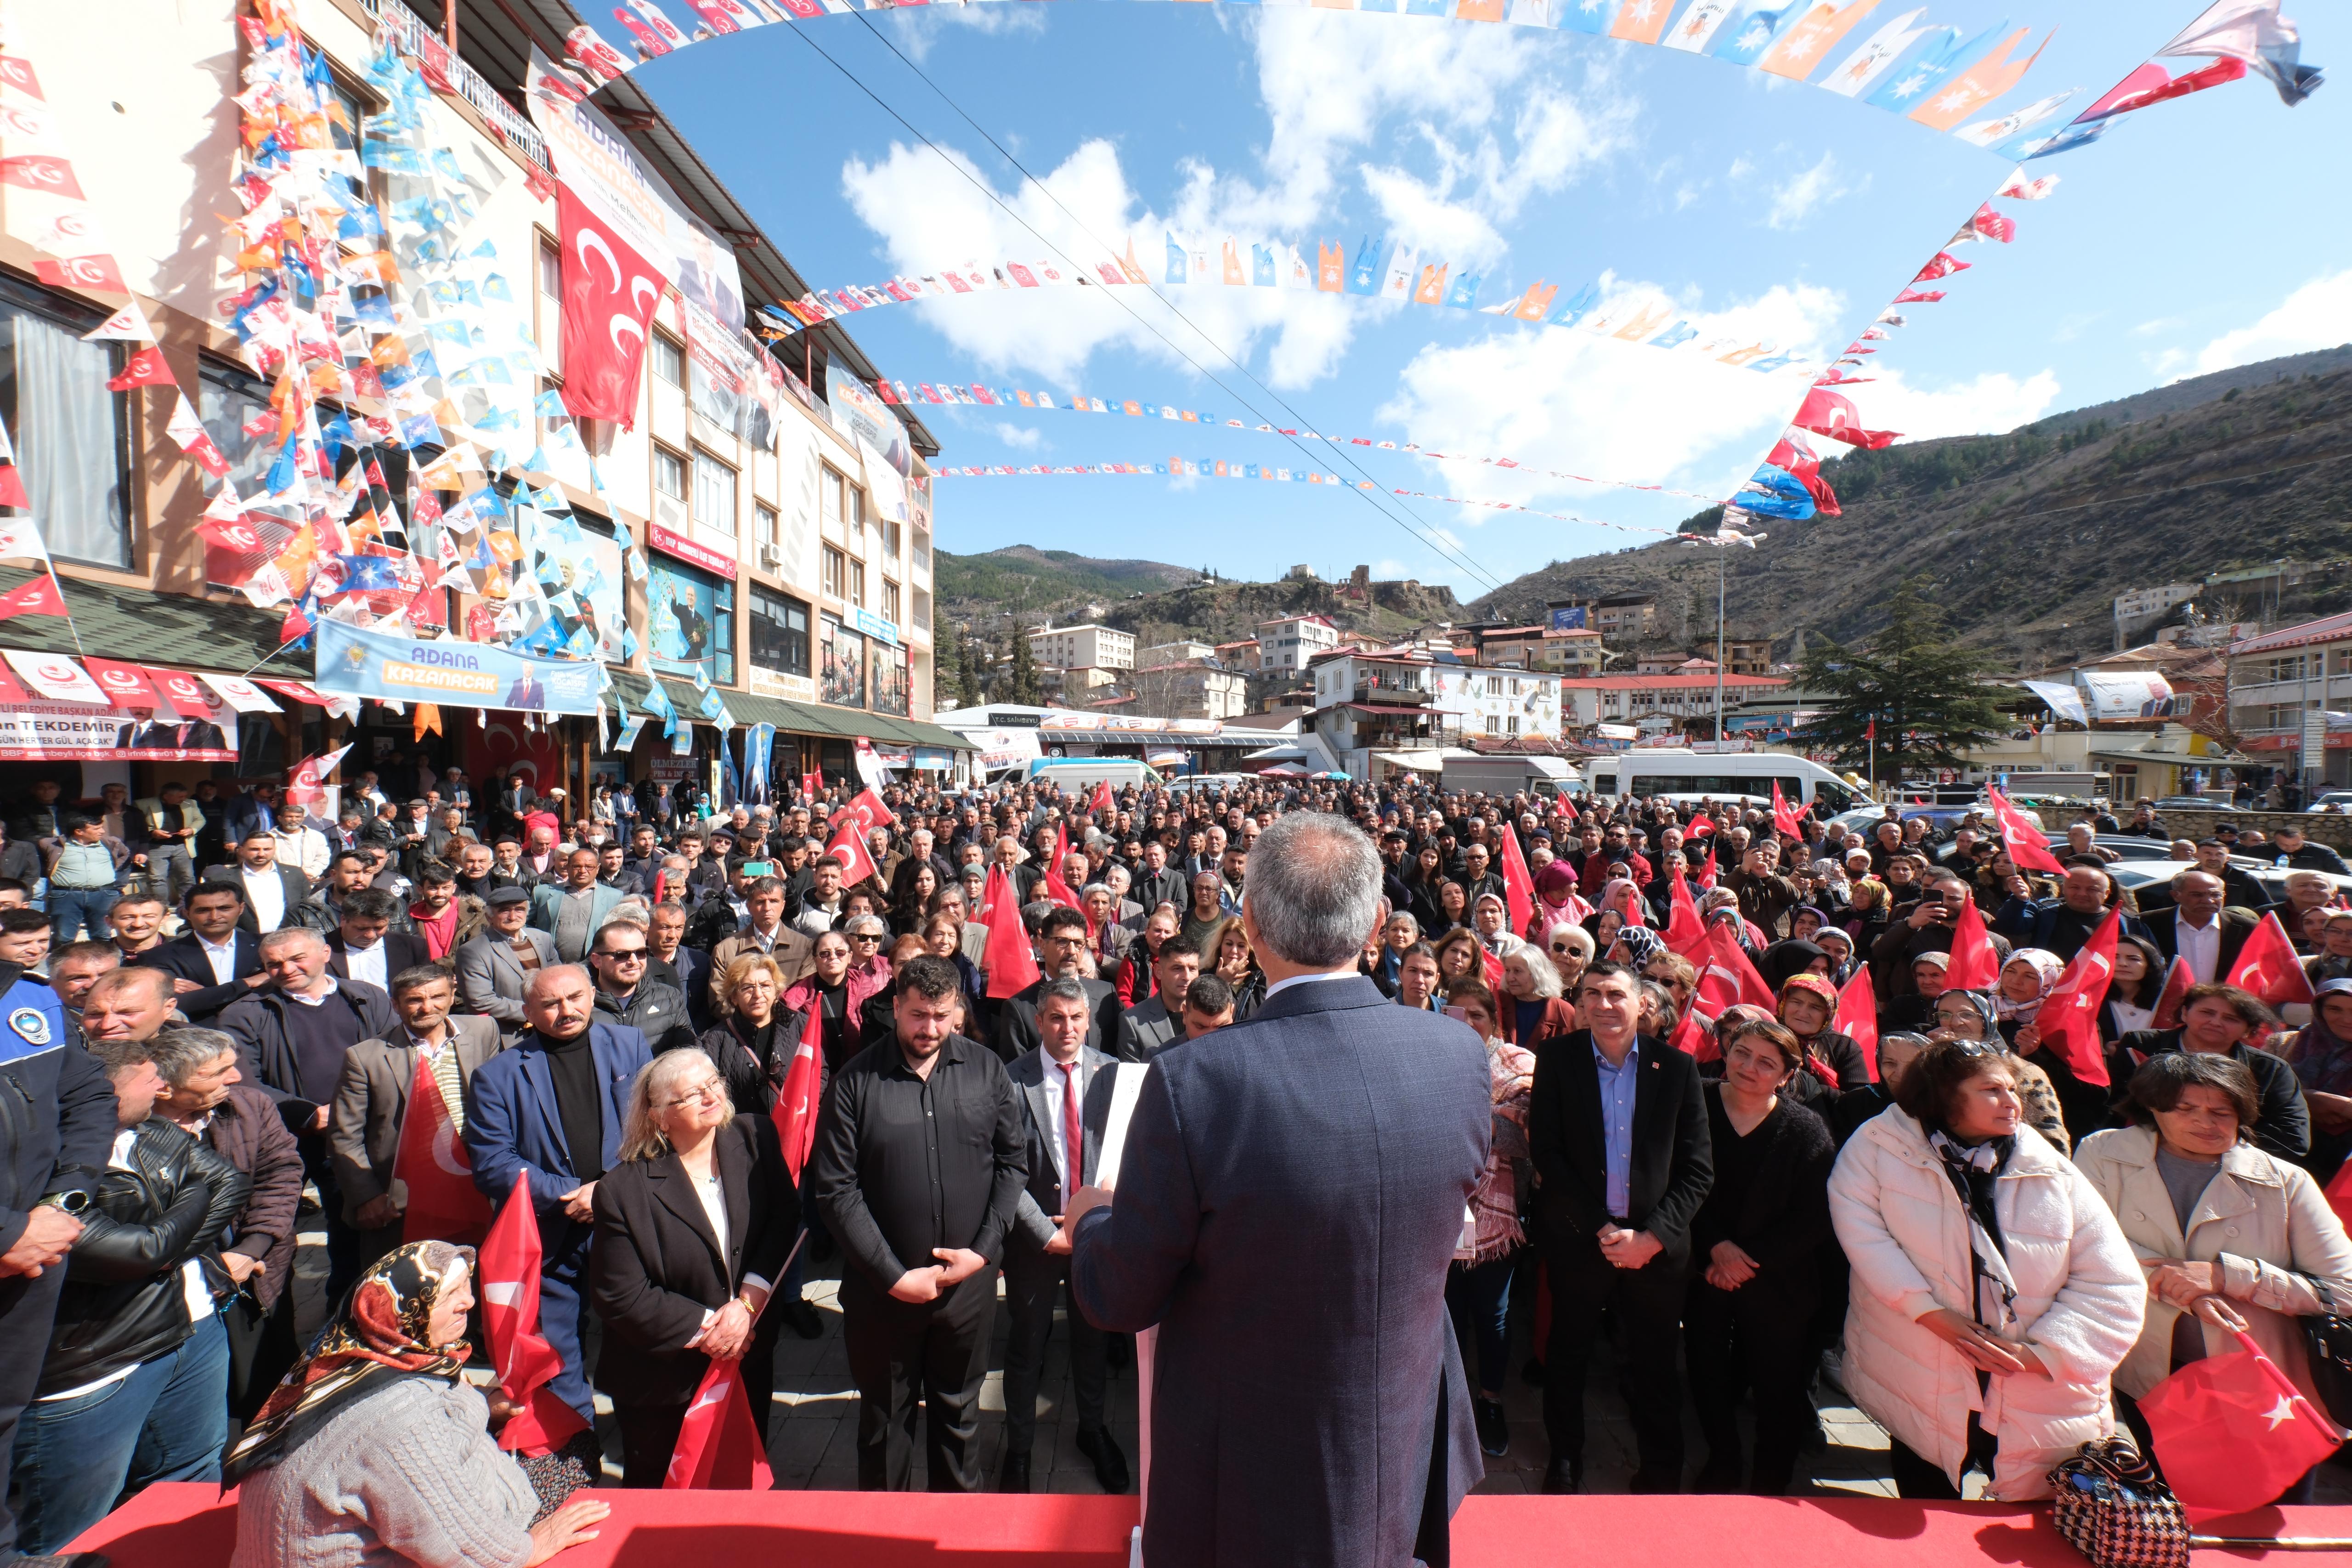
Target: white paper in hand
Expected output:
[1127,1085]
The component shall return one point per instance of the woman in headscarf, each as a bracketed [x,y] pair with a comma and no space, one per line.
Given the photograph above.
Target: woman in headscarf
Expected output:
[1795,955]
[374,1449]
[1973,1015]
[2026,981]
[2321,1054]
[1557,900]
[1832,1062]
[2133,990]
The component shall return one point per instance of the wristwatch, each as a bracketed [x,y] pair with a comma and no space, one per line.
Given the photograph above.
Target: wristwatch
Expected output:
[71,1202]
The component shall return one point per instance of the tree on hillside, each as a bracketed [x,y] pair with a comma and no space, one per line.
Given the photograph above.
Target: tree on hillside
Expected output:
[1021,683]
[1928,696]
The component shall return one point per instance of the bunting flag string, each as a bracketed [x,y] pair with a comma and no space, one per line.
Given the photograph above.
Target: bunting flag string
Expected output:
[1934,76]
[978,395]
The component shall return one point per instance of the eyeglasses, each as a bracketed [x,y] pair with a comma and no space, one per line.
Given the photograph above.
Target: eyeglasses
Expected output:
[865,936]
[707,1094]
[623,954]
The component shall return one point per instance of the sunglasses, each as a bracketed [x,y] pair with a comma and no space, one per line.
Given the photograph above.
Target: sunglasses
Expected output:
[623,954]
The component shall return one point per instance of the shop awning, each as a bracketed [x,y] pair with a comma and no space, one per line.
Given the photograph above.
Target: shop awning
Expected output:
[2175,759]
[174,629]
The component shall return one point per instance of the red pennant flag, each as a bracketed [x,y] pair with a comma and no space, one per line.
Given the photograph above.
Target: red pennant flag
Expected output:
[306,787]
[441,1202]
[1725,977]
[1692,1039]
[1099,803]
[1784,816]
[1976,965]
[1051,884]
[796,1111]
[1826,413]
[1518,882]
[1011,961]
[1858,1016]
[519,1354]
[145,368]
[720,1445]
[2268,967]
[2069,1019]
[2232,1433]
[2176,982]
[1706,871]
[98,272]
[12,489]
[1685,931]
[38,597]
[41,172]
[2028,849]
[2339,1191]
[1992,225]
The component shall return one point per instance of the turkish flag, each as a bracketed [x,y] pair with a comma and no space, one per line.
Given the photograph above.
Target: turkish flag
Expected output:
[308,785]
[609,296]
[2232,1433]
[1685,931]
[519,1354]
[1858,1016]
[2268,967]
[1976,965]
[2176,982]
[1706,871]
[795,1111]
[1100,803]
[1518,882]
[848,846]
[1692,1039]
[1784,816]
[1725,977]
[1804,463]
[866,810]
[1490,969]
[2339,1191]
[2069,1019]
[38,597]
[440,1201]
[720,1445]
[145,368]
[1051,883]
[2026,849]
[1700,827]
[1826,413]
[1011,961]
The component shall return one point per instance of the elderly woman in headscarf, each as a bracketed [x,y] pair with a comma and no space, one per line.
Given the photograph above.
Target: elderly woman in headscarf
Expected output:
[1832,1063]
[1974,1015]
[374,1449]
[1490,920]
[1557,900]
[2027,978]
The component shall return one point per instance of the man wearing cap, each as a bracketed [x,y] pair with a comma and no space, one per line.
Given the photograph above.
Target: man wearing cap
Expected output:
[494,970]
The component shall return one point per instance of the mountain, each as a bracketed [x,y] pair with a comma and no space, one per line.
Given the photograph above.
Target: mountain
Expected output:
[1024,579]
[2027,538]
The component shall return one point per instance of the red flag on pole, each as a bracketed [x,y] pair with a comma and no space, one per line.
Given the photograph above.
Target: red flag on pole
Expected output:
[519,1354]
[38,597]
[812,786]
[2069,1019]
[2232,1433]
[1011,961]
[1518,882]
[1685,931]
[1858,1016]
[2268,967]
[1784,816]
[1700,827]
[1725,977]
[720,1445]
[2026,849]
[2176,982]
[1055,888]
[1706,871]
[1491,968]
[796,1111]
[308,786]
[431,1180]
[1691,1037]
[1100,803]
[1976,964]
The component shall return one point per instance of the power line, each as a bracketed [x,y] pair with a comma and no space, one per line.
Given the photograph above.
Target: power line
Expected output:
[1369,497]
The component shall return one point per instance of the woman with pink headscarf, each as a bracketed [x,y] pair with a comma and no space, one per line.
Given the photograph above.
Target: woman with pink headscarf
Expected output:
[1556,901]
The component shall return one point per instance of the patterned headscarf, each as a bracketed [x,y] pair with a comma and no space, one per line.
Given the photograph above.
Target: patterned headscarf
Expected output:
[1812,986]
[2047,968]
[377,1338]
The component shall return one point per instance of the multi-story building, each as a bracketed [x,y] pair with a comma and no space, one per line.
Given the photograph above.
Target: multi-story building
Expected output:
[1406,700]
[1074,647]
[1620,617]
[1242,655]
[1173,653]
[780,553]
[2279,681]
[1190,689]
[1567,652]
[1293,642]
[1628,698]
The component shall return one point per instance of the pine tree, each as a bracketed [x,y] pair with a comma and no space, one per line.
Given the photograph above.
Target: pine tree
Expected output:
[1023,685]
[1929,696]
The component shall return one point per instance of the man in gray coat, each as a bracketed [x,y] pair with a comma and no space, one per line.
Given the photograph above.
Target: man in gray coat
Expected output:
[495,968]
[1291,1193]
[1157,1022]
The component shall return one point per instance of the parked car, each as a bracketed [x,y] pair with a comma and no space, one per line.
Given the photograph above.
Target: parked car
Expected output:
[2334,800]
[2192,803]
[2148,880]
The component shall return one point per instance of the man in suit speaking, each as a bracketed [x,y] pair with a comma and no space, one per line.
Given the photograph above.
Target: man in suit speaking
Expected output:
[1290,1194]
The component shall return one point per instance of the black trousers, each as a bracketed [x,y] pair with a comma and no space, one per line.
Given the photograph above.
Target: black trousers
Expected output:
[261,1347]
[28,1305]
[1032,1286]
[1758,1336]
[909,1357]
[1648,1305]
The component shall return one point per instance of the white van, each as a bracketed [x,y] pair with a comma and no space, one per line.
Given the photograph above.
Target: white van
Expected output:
[1506,775]
[1082,773]
[1684,777]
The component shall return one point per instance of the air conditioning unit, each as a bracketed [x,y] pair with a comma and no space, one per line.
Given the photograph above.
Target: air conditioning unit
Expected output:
[772,558]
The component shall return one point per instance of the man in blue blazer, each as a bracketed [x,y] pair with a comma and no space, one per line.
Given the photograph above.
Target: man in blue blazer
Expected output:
[549,1109]
[1290,1195]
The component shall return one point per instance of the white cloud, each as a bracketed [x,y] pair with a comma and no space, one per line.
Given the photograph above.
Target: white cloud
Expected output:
[2317,316]
[1795,198]
[1993,403]
[1022,435]
[917,32]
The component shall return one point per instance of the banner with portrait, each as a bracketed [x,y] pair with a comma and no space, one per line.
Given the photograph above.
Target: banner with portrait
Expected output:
[681,609]
[73,732]
[841,664]
[891,687]
[385,667]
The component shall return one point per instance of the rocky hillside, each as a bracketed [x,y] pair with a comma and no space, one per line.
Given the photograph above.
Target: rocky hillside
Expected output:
[2028,537]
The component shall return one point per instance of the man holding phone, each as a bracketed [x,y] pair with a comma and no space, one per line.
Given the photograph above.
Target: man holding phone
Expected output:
[1924,926]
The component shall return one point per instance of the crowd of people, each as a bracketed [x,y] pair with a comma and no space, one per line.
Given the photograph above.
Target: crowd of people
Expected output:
[221,1007]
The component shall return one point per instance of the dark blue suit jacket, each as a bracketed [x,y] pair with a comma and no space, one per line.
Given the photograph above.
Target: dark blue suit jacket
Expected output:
[512,1124]
[1289,1199]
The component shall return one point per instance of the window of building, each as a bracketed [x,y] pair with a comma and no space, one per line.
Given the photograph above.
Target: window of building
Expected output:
[923,554]
[780,633]
[714,493]
[856,509]
[857,582]
[837,573]
[890,601]
[669,358]
[769,530]
[669,474]
[828,499]
[549,305]
[923,611]
[893,539]
[72,435]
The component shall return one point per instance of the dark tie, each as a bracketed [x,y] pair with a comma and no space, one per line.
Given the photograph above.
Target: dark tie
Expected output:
[1074,1135]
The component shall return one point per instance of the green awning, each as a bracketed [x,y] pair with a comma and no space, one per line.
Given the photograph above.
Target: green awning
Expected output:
[148,627]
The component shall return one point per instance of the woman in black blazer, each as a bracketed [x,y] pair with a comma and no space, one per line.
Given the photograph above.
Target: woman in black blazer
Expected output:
[692,1227]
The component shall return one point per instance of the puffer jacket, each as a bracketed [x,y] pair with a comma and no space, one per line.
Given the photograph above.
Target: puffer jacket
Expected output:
[123,1301]
[2079,1301]
[2266,1224]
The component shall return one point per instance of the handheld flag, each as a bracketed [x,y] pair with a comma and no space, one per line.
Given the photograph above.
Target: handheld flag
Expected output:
[720,1445]
[2026,849]
[1099,803]
[2069,1019]
[849,847]
[1055,888]
[1685,931]
[1858,1016]
[2176,982]
[431,1180]
[1010,963]
[1976,963]
[526,1364]
[2232,1433]
[2268,967]
[1725,977]
[1784,816]
[308,786]
[795,1110]
[1518,882]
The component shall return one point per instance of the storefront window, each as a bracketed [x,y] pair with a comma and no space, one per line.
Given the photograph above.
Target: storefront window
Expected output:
[780,633]
[690,621]
[71,451]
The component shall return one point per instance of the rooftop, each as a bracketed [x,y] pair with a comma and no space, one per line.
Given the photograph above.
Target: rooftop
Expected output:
[1665,682]
[2328,628]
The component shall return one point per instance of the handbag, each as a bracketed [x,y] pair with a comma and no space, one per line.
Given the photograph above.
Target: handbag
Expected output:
[2327,1338]
[2112,1507]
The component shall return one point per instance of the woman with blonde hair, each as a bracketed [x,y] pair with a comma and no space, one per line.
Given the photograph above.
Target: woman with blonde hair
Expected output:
[1233,962]
[692,1228]
[744,1045]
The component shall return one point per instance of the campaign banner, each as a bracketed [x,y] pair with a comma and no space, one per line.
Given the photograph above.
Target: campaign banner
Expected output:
[75,733]
[2130,695]
[387,668]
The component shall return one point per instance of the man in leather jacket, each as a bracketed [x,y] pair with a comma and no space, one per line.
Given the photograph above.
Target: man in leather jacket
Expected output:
[135,1387]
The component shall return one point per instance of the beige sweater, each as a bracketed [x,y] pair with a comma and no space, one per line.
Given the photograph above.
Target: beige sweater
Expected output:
[407,1476]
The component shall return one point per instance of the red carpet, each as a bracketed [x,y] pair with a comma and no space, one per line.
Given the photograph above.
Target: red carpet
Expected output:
[192,1527]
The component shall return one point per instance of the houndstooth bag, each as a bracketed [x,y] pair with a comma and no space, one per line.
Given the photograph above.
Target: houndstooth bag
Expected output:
[2113,1507]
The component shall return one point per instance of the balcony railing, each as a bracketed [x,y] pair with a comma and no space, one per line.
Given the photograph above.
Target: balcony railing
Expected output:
[415,36]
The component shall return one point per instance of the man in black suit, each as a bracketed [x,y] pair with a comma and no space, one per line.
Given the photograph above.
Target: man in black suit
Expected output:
[2201,929]
[366,947]
[1061,953]
[1617,1130]
[1290,1240]
[271,891]
[217,960]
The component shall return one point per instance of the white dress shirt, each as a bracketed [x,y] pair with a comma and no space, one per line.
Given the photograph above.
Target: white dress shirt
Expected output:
[222,956]
[1057,1129]
[368,963]
[266,894]
[2200,945]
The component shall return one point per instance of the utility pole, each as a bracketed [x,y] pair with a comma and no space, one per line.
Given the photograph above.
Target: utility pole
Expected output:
[1721,568]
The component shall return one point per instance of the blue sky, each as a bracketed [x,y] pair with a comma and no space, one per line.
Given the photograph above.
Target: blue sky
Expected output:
[2200,232]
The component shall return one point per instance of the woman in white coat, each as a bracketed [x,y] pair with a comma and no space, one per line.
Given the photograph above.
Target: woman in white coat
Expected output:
[1993,1293]
[2231,1237]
